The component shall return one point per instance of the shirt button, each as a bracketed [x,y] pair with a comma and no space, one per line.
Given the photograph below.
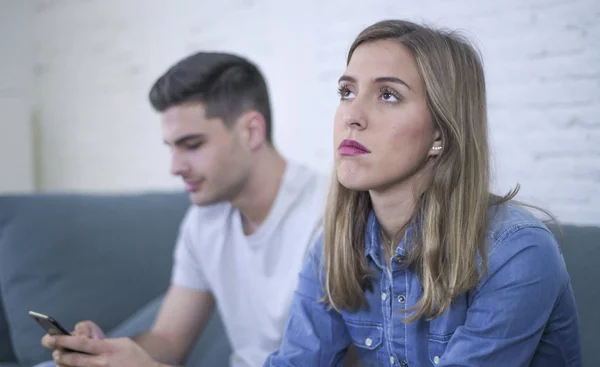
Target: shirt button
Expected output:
[401,299]
[383,296]
[436,359]
[392,360]
[404,364]
[368,342]
[398,259]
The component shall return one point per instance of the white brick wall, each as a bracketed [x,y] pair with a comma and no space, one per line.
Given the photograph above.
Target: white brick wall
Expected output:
[96,60]
[16,94]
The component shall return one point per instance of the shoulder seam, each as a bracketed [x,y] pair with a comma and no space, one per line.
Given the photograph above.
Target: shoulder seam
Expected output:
[512,230]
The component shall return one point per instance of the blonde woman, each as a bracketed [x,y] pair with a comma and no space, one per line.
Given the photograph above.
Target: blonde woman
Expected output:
[419,264]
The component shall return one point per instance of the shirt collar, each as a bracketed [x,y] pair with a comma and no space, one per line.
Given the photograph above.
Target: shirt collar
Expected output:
[373,242]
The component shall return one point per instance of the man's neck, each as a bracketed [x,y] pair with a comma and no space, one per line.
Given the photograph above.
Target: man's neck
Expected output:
[259,194]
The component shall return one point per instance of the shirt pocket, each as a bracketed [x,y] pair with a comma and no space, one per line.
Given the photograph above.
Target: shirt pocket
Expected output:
[436,347]
[367,337]
[443,327]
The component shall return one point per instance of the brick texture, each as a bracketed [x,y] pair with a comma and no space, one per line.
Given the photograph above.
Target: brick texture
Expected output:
[16,95]
[95,61]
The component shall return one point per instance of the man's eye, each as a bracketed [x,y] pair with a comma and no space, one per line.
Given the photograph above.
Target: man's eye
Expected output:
[193,146]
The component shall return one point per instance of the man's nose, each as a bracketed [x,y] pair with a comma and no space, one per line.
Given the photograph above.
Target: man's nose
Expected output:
[179,167]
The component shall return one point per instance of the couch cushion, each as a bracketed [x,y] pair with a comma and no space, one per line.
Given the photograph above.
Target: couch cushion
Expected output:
[78,257]
[6,350]
[581,250]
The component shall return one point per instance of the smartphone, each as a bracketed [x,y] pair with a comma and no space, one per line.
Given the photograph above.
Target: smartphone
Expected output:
[51,326]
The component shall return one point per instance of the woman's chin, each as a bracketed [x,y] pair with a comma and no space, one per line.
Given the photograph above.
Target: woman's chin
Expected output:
[351,181]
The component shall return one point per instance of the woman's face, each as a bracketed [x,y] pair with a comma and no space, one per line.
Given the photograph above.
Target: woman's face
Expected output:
[384,132]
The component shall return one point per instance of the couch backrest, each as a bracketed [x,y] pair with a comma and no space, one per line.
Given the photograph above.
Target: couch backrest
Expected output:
[79,257]
[56,250]
[6,349]
[581,250]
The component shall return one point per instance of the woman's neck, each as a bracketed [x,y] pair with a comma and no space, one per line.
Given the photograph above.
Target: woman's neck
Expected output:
[394,208]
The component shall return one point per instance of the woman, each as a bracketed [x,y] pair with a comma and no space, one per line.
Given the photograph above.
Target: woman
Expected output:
[419,264]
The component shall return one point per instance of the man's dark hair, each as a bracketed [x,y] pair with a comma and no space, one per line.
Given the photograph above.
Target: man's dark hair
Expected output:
[227,85]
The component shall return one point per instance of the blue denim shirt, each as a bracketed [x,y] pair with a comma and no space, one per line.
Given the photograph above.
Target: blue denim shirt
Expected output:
[521,313]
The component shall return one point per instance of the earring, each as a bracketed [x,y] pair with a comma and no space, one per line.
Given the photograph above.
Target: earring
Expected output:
[436,148]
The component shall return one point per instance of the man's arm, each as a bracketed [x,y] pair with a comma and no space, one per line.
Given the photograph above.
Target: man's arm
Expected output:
[187,305]
[183,315]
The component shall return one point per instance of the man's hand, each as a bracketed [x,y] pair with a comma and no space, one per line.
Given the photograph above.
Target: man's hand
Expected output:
[122,352]
[89,329]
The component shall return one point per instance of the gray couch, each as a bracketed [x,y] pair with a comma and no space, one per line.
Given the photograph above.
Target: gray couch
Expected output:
[105,258]
[108,258]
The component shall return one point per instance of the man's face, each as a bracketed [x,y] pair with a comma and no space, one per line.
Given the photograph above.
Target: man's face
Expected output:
[205,153]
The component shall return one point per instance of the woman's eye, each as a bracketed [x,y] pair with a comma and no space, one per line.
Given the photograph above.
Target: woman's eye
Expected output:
[389,96]
[344,93]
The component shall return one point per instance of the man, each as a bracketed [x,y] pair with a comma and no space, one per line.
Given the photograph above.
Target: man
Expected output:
[242,244]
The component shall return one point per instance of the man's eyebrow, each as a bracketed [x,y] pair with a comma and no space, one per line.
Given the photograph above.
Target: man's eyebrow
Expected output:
[186,138]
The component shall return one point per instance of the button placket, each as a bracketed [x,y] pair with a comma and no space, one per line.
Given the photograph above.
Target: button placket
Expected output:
[398,293]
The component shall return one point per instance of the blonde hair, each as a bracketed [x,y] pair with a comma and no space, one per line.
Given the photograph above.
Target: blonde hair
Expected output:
[452,208]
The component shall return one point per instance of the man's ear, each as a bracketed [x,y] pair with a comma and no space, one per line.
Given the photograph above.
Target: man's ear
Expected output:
[253,128]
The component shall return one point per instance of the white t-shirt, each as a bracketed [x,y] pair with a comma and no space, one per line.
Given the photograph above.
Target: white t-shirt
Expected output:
[252,277]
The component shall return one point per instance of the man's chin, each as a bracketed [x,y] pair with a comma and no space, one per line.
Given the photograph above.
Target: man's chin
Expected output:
[197,198]
[202,199]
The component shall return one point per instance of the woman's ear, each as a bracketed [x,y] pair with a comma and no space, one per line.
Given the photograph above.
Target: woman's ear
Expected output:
[437,146]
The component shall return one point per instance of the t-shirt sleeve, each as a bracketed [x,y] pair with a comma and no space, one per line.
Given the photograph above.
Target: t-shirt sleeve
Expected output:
[187,269]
